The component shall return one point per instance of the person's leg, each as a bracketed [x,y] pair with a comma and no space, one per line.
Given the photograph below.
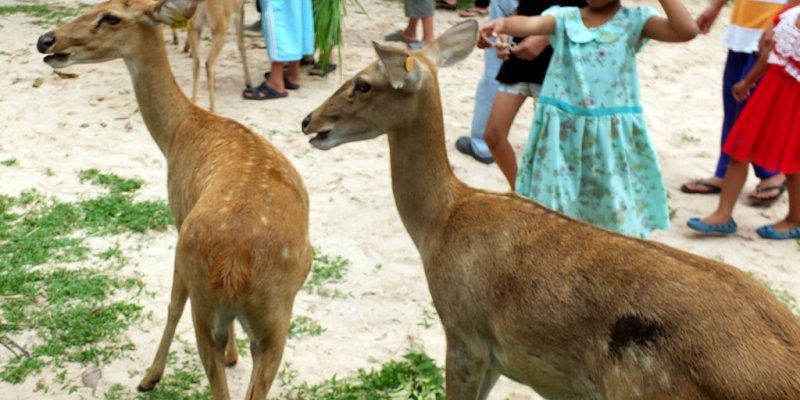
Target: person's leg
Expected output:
[276,76]
[427,30]
[293,72]
[732,74]
[732,185]
[792,220]
[485,92]
[411,29]
[504,109]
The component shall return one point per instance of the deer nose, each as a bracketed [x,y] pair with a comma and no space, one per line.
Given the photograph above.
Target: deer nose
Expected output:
[45,42]
[306,122]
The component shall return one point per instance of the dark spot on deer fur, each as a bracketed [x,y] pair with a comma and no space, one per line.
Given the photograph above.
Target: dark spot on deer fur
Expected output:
[630,330]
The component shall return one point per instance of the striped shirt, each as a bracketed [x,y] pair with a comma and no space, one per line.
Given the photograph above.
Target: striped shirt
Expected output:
[749,19]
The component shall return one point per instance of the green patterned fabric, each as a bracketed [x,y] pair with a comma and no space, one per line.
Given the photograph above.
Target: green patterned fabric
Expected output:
[589,154]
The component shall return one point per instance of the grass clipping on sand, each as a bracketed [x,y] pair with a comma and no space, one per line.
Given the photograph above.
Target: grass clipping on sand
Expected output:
[328,29]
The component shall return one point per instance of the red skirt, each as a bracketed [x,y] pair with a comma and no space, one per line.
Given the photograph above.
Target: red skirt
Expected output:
[767,131]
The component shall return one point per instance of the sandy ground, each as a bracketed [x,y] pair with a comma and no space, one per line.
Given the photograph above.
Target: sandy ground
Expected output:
[91,122]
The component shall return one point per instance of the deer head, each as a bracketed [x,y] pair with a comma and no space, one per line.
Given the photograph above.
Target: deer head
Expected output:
[110,30]
[386,94]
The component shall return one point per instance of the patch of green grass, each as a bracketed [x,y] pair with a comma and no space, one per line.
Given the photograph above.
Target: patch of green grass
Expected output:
[416,377]
[303,326]
[183,380]
[46,15]
[10,162]
[325,269]
[78,313]
[689,138]
[428,317]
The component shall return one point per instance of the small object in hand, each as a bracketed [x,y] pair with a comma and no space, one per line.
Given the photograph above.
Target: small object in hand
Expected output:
[504,45]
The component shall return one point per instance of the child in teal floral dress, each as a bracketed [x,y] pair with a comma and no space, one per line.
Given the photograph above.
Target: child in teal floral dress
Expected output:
[589,154]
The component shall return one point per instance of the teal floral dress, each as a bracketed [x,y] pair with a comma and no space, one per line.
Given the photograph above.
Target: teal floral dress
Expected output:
[589,154]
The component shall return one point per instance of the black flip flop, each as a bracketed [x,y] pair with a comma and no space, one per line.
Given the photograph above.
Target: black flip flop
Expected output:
[263,92]
[766,201]
[711,188]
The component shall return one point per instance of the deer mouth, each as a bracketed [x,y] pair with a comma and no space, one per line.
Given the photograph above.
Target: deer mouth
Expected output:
[319,138]
[57,60]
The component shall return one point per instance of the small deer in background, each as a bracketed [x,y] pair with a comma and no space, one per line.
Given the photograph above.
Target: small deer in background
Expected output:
[217,15]
[240,206]
[574,311]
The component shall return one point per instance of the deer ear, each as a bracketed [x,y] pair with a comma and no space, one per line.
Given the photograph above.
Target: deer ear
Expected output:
[173,11]
[401,66]
[454,44]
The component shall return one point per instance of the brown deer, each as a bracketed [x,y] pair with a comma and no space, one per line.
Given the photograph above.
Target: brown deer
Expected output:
[240,207]
[574,311]
[215,14]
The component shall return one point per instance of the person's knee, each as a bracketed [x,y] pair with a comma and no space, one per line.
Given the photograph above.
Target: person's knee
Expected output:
[493,137]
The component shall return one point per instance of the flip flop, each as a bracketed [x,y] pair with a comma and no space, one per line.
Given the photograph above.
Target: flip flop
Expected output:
[262,92]
[473,12]
[766,201]
[317,71]
[445,5]
[711,188]
[396,36]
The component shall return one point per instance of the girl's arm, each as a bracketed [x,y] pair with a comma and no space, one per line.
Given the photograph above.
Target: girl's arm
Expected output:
[709,15]
[519,26]
[741,90]
[678,26]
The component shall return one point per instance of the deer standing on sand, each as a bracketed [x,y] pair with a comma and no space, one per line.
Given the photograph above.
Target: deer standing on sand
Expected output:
[240,207]
[217,15]
[574,311]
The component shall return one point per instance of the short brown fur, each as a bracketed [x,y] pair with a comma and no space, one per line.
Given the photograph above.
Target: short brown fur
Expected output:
[240,207]
[574,311]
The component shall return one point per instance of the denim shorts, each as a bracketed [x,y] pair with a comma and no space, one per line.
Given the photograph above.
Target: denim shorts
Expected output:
[521,89]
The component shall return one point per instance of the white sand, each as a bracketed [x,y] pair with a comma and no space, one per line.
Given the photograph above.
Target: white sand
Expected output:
[91,122]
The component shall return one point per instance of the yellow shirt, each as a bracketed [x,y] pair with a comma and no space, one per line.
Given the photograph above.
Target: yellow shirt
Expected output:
[749,19]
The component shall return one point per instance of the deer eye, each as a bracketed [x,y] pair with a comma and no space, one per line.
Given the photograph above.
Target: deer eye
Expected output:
[361,86]
[110,19]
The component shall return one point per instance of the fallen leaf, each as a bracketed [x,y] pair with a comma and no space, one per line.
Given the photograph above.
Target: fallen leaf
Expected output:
[38,82]
[65,75]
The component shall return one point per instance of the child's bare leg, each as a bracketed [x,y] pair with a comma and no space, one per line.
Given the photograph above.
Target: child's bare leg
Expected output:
[427,30]
[504,109]
[411,29]
[792,219]
[731,188]
[275,80]
[293,73]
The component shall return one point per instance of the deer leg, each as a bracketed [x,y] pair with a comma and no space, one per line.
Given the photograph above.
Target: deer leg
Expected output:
[465,371]
[211,347]
[218,34]
[266,345]
[489,379]
[231,352]
[174,36]
[174,312]
[193,40]
[242,51]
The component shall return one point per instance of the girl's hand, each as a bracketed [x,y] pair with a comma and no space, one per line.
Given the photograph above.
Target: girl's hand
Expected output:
[741,91]
[502,52]
[489,31]
[707,18]
[530,47]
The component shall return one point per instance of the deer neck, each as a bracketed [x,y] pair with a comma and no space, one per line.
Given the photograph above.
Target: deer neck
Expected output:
[162,103]
[424,186]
